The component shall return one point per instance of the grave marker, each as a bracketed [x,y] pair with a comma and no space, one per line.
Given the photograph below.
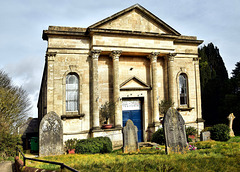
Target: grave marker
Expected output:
[231,117]
[130,137]
[206,135]
[51,135]
[175,134]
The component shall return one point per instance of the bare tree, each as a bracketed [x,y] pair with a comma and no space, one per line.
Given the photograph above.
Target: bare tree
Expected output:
[14,104]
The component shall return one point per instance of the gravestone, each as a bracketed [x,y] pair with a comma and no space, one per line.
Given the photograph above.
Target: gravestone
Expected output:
[206,135]
[130,137]
[51,135]
[175,134]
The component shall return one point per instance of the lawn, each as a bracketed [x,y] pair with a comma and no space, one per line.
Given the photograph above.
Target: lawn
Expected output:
[209,156]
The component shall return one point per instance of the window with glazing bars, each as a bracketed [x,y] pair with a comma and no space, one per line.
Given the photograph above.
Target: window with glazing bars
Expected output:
[183,89]
[72,92]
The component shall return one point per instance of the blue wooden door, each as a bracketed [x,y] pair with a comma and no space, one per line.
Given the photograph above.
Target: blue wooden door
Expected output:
[132,110]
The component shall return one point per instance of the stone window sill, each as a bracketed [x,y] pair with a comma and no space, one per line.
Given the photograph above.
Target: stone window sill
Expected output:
[185,108]
[72,116]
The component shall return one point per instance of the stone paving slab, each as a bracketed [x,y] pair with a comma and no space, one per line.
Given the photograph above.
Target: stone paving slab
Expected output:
[6,166]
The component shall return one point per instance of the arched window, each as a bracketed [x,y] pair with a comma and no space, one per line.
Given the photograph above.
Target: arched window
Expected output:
[183,89]
[72,92]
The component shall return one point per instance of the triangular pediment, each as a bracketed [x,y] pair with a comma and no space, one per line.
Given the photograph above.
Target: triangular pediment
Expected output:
[135,18]
[134,83]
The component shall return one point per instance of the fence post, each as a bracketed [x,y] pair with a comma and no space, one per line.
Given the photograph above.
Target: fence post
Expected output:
[62,167]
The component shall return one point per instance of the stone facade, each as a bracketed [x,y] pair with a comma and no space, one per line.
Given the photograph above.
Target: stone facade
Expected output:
[132,54]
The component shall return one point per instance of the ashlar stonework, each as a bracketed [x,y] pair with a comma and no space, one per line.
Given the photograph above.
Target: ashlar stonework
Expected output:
[174,130]
[51,135]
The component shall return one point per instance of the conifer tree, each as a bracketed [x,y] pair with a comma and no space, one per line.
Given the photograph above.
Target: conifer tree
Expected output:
[214,79]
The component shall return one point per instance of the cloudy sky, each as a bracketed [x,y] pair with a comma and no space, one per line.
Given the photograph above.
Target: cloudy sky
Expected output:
[22,50]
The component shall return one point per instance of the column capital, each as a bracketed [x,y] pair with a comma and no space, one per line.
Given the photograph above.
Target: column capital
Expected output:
[50,56]
[171,56]
[95,54]
[153,56]
[116,54]
[196,60]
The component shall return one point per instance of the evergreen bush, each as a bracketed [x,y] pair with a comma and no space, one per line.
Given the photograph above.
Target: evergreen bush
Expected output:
[94,145]
[220,132]
[158,137]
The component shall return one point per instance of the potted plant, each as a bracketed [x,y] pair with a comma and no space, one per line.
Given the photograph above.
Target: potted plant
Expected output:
[164,105]
[106,111]
[191,132]
[71,145]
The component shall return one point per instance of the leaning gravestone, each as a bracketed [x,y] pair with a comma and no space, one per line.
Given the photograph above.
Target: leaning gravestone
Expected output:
[51,135]
[175,134]
[130,137]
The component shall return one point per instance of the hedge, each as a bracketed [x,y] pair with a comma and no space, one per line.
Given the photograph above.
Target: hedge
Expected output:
[94,145]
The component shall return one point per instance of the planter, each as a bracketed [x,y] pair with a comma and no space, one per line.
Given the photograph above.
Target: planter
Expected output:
[107,126]
[191,136]
[71,151]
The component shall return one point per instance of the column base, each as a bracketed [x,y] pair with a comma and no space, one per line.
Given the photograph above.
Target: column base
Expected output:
[156,124]
[96,129]
[118,127]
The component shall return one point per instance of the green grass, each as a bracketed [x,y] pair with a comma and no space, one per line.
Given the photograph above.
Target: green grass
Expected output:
[210,156]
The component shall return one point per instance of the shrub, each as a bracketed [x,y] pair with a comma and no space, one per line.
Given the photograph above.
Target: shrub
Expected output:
[220,132]
[8,143]
[94,145]
[158,137]
[206,129]
[191,131]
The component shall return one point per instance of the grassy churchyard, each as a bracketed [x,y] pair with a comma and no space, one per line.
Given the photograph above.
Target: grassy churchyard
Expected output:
[209,156]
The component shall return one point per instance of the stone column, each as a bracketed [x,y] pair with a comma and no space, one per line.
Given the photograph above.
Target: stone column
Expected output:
[170,76]
[50,57]
[231,118]
[116,88]
[95,94]
[153,58]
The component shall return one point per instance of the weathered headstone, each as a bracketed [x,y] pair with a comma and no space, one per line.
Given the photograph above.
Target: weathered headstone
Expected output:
[50,135]
[231,118]
[130,137]
[206,135]
[175,134]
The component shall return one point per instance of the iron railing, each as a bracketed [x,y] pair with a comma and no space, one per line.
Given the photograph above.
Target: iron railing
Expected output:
[44,161]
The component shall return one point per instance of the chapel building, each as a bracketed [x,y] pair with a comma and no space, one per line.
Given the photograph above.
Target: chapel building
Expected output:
[131,58]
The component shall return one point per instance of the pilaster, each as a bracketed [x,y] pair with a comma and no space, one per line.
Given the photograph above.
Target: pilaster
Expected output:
[50,57]
[198,88]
